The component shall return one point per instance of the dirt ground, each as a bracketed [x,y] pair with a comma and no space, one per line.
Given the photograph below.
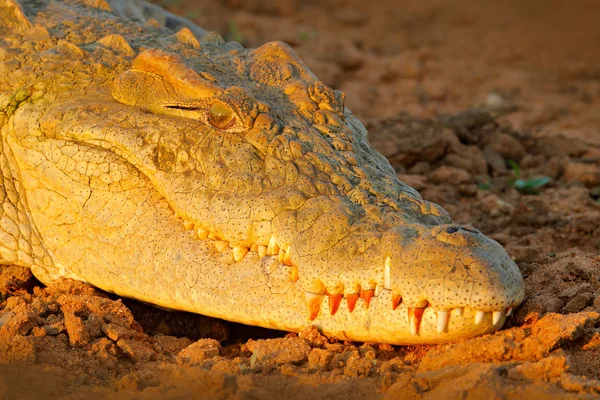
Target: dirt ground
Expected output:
[471,102]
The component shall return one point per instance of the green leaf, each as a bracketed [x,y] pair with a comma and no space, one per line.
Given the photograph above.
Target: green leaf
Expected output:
[515,168]
[531,185]
[484,186]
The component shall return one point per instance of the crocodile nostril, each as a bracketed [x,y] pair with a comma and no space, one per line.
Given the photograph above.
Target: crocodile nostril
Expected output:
[452,229]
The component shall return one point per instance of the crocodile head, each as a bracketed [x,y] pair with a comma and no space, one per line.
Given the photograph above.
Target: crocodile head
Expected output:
[206,177]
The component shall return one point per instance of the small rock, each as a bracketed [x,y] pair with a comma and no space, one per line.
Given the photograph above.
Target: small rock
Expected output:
[546,368]
[357,366]
[579,384]
[117,332]
[417,182]
[450,175]
[597,303]
[274,352]
[172,345]
[319,358]
[226,366]
[405,140]
[55,328]
[313,336]
[136,350]
[468,189]
[495,206]
[495,100]
[494,160]
[420,168]
[538,306]
[588,174]
[38,331]
[6,317]
[14,277]
[506,146]
[579,302]
[93,325]
[78,335]
[105,350]
[199,351]
[575,289]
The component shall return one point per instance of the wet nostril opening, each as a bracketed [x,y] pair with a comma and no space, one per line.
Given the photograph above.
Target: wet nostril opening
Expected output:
[452,229]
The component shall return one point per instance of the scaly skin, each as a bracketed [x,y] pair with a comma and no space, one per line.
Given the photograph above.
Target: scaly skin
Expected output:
[201,176]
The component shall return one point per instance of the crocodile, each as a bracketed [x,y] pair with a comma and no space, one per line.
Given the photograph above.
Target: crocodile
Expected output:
[191,173]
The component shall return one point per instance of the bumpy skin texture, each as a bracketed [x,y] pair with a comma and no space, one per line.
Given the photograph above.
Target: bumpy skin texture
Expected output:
[202,176]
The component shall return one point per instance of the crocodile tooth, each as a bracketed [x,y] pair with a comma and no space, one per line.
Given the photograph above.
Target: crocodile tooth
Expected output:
[367,295]
[286,258]
[442,320]
[334,302]
[202,233]
[415,315]
[497,316]
[254,247]
[272,248]
[351,300]
[387,278]
[294,274]
[262,250]
[188,225]
[221,245]
[313,304]
[396,300]
[281,255]
[479,317]
[509,311]
[460,311]
[239,252]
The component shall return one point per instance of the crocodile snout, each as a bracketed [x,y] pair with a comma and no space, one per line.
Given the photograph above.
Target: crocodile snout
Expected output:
[453,267]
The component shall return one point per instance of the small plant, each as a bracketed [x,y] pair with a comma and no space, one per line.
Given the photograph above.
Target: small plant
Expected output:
[526,186]
[484,186]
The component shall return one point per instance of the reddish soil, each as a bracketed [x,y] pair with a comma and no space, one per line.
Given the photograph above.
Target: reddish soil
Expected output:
[450,92]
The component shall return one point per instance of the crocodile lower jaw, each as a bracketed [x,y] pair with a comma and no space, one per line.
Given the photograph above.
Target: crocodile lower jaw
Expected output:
[316,307]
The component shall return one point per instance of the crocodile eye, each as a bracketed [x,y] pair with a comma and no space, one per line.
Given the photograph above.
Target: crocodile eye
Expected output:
[221,116]
[452,229]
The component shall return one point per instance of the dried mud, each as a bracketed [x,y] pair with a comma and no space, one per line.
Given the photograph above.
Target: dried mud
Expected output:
[449,92]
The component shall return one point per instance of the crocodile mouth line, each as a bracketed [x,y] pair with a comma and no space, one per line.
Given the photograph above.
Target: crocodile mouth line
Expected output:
[314,301]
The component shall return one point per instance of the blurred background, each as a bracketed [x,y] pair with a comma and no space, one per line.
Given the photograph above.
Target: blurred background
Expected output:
[435,56]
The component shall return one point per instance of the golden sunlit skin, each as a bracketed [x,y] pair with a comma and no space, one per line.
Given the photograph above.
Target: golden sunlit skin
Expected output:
[197,175]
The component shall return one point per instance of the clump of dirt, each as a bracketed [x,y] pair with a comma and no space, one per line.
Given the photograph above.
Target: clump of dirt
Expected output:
[471,104]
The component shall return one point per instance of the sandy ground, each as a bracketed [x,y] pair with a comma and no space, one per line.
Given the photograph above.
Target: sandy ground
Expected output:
[450,92]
